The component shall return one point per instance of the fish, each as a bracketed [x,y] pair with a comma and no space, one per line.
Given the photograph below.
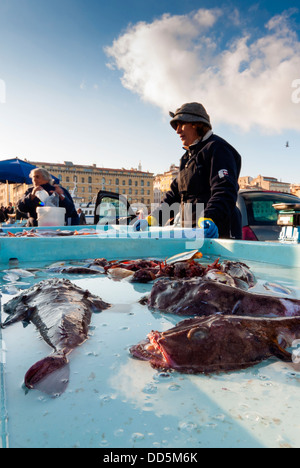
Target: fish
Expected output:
[120,273]
[75,270]
[19,272]
[61,312]
[220,276]
[11,277]
[196,296]
[183,257]
[240,272]
[219,343]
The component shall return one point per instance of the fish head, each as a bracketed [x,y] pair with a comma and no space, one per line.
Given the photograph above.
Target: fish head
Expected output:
[214,344]
[188,347]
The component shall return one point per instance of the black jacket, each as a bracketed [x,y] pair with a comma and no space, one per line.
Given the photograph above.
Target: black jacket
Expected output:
[208,175]
[27,205]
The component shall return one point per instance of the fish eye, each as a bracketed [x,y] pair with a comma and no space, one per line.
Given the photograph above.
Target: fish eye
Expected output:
[197,334]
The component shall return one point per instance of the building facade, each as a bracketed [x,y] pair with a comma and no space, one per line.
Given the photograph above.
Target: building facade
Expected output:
[84,182]
[295,189]
[162,183]
[264,183]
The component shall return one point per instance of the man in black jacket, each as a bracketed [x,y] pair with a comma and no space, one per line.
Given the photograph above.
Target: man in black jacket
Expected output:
[42,180]
[207,179]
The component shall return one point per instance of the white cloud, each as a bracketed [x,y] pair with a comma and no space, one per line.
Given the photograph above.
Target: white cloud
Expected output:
[246,82]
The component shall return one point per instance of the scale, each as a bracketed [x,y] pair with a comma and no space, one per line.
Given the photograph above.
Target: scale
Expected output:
[289,219]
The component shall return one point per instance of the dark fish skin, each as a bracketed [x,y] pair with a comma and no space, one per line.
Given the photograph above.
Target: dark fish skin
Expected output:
[61,311]
[200,297]
[75,270]
[219,343]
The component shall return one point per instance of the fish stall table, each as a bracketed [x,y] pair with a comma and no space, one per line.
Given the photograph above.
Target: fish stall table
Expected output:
[115,401]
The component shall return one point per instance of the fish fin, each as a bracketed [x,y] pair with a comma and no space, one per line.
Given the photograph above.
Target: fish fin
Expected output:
[24,316]
[50,375]
[280,352]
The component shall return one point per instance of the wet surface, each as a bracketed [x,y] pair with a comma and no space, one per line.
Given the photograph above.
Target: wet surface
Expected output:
[113,400]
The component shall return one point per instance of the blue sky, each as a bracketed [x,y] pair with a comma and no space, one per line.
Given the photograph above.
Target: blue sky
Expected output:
[92,81]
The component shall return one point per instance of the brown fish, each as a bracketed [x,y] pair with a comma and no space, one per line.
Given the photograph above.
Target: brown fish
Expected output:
[200,297]
[219,343]
[61,311]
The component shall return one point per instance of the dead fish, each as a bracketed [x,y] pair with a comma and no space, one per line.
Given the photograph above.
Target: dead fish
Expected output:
[56,233]
[184,256]
[219,343]
[220,276]
[120,273]
[143,276]
[11,277]
[75,270]
[61,311]
[20,272]
[196,296]
[239,271]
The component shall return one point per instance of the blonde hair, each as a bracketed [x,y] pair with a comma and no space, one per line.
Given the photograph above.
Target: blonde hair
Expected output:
[46,175]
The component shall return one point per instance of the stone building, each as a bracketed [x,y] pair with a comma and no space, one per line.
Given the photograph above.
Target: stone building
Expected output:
[264,183]
[162,183]
[84,182]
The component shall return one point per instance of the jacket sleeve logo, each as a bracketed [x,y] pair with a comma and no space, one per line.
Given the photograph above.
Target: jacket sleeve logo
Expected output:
[223,173]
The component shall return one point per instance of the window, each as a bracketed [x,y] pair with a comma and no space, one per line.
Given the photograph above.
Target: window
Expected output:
[110,207]
[260,208]
[117,181]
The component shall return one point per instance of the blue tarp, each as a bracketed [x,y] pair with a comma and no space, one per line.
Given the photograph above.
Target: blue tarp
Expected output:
[16,171]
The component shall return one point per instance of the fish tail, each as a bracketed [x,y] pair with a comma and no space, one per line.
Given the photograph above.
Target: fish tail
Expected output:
[50,375]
